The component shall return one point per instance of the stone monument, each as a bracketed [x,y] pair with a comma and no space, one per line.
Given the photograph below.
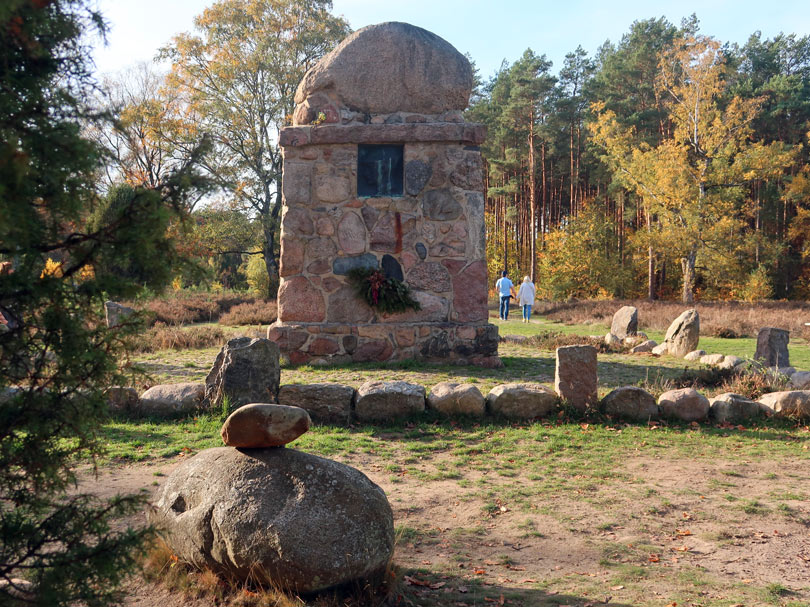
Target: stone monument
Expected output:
[381,171]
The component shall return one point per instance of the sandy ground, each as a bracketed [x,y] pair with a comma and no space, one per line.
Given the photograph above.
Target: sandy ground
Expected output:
[678,524]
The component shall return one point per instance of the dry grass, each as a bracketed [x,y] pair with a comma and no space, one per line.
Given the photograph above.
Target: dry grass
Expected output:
[720,319]
[163,337]
[160,565]
[187,308]
[252,313]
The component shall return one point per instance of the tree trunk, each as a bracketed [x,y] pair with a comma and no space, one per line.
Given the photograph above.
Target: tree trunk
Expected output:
[532,201]
[650,264]
[688,270]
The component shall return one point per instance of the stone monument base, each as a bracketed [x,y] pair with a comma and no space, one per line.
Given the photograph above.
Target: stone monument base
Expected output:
[463,344]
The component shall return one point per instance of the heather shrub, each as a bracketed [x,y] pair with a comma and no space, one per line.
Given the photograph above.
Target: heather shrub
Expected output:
[252,313]
[172,337]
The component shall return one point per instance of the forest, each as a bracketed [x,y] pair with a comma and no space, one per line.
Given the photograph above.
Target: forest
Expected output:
[670,165]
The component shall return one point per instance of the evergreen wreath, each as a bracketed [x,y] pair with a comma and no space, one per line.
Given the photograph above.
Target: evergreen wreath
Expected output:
[388,295]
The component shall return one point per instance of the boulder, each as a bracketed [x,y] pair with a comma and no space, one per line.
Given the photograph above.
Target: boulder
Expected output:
[259,425]
[661,349]
[280,517]
[633,340]
[683,334]
[575,378]
[645,346]
[686,404]
[612,340]
[731,362]
[625,322]
[630,402]
[772,347]
[712,359]
[120,398]
[786,371]
[386,400]
[695,355]
[800,380]
[734,408]
[246,370]
[522,401]
[392,67]
[795,403]
[115,313]
[456,399]
[325,403]
[171,399]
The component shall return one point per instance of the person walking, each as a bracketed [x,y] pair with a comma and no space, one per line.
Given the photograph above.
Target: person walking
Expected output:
[525,297]
[506,290]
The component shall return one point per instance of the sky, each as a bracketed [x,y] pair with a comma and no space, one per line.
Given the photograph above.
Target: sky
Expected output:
[490,31]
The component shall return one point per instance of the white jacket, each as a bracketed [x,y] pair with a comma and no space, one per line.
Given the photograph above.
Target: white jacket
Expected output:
[526,294]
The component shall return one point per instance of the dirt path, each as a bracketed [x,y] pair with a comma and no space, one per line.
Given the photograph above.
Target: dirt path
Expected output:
[674,531]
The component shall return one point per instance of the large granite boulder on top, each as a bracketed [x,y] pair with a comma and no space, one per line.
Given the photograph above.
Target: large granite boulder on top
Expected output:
[246,370]
[522,401]
[325,403]
[683,334]
[260,425]
[625,322]
[631,402]
[734,408]
[793,403]
[772,347]
[575,378]
[686,404]
[386,400]
[280,517]
[171,399]
[456,399]
[385,68]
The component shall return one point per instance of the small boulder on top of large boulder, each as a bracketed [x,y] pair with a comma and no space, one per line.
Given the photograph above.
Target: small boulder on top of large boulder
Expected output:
[686,404]
[772,347]
[325,403]
[575,378]
[522,401]
[631,402]
[387,400]
[683,334]
[456,399]
[625,322]
[734,408]
[246,370]
[279,517]
[259,425]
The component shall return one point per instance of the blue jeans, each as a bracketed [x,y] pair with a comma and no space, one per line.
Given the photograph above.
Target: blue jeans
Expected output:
[527,312]
[503,311]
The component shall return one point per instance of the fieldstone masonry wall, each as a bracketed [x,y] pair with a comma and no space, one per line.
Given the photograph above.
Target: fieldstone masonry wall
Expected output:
[431,236]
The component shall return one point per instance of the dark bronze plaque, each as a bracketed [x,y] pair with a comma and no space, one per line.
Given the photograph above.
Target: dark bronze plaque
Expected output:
[379,170]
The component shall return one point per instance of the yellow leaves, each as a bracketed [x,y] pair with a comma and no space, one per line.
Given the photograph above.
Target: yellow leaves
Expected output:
[52,269]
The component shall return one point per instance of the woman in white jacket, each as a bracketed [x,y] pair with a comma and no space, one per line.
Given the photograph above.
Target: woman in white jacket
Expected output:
[526,295]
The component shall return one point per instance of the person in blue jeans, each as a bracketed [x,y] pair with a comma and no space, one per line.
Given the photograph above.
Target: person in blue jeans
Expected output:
[505,290]
[526,294]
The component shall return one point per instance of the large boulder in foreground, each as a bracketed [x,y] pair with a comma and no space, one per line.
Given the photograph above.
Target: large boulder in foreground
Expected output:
[772,347]
[171,399]
[325,403]
[683,334]
[259,425]
[386,400]
[280,517]
[389,67]
[246,370]
[631,402]
[686,404]
[793,403]
[625,322]
[456,399]
[522,401]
